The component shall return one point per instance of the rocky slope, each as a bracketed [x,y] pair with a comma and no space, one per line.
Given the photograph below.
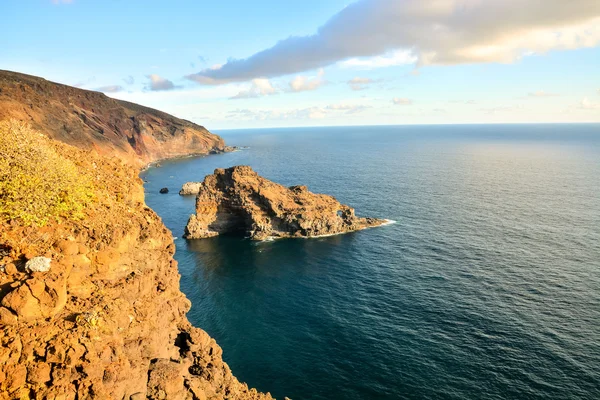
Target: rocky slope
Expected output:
[238,200]
[89,119]
[107,320]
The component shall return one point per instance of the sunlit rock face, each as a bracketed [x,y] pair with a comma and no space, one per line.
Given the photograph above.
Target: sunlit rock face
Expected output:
[91,120]
[238,200]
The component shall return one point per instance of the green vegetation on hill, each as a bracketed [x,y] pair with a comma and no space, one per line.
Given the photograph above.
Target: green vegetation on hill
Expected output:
[37,184]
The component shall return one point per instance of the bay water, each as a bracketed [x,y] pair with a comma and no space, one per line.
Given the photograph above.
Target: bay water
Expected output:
[486,287]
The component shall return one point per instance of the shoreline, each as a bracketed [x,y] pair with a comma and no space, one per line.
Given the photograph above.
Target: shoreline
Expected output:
[153,164]
[274,238]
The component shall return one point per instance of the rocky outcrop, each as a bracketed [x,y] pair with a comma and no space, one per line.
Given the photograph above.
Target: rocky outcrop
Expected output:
[106,320]
[190,188]
[238,200]
[91,120]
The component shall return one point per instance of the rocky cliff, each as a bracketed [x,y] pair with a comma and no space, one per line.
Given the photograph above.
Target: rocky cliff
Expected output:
[100,316]
[238,200]
[89,119]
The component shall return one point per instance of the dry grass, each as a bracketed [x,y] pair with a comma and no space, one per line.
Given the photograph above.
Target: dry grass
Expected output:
[37,184]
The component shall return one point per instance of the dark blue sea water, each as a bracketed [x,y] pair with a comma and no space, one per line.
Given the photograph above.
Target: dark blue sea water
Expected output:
[487,287]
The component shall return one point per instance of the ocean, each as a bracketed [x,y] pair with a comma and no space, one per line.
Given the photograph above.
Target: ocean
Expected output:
[486,287]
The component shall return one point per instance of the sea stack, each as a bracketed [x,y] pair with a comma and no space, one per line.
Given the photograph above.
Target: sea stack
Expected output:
[238,200]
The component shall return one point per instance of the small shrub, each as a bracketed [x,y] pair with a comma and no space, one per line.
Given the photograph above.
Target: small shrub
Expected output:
[37,184]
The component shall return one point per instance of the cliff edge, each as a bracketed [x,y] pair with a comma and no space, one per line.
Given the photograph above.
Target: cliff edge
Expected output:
[90,306]
[238,200]
[88,119]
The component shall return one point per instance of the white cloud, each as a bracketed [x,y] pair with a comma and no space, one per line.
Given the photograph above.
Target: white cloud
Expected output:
[501,109]
[358,83]
[290,114]
[158,83]
[308,113]
[435,32]
[542,93]
[258,88]
[110,89]
[587,104]
[348,108]
[391,59]
[305,83]
[467,102]
[402,101]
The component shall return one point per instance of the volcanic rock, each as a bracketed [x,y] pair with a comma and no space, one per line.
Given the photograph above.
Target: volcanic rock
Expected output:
[92,120]
[238,200]
[108,320]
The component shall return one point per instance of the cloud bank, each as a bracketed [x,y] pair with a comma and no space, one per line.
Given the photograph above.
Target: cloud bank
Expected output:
[358,83]
[259,87]
[435,32]
[304,83]
[402,101]
[309,113]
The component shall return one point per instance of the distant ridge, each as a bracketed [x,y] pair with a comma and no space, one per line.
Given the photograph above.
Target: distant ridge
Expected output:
[89,119]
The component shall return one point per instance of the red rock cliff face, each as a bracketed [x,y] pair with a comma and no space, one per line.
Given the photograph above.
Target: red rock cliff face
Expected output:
[88,119]
[107,320]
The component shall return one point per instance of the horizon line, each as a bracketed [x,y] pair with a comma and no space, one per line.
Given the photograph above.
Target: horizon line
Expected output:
[404,125]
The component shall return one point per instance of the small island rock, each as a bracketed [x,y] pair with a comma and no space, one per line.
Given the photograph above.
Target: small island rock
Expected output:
[164,191]
[238,200]
[190,188]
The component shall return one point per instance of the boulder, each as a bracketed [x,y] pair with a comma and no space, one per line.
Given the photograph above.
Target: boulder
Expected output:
[38,264]
[190,188]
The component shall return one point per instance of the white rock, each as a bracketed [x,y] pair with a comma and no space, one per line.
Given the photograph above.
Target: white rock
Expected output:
[190,188]
[38,264]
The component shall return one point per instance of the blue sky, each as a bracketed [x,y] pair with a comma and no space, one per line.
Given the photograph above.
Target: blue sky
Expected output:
[238,64]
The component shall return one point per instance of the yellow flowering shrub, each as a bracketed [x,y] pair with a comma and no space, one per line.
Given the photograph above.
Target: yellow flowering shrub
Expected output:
[37,184]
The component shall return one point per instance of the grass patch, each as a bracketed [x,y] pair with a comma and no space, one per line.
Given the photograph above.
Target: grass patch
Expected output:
[37,184]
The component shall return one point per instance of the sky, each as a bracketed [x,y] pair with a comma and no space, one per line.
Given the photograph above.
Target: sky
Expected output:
[265,63]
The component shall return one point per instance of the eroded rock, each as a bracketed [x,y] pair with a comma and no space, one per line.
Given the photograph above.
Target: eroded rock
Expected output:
[190,188]
[107,320]
[238,200]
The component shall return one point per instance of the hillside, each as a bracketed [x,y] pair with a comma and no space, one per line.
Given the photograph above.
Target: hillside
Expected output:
[90,305]
[88,119]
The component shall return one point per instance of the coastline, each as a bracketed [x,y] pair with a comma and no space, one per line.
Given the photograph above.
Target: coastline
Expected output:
[153,164]
[274,238]
[112,287]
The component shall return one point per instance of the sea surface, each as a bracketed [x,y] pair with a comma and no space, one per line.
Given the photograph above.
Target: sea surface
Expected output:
[486,287]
